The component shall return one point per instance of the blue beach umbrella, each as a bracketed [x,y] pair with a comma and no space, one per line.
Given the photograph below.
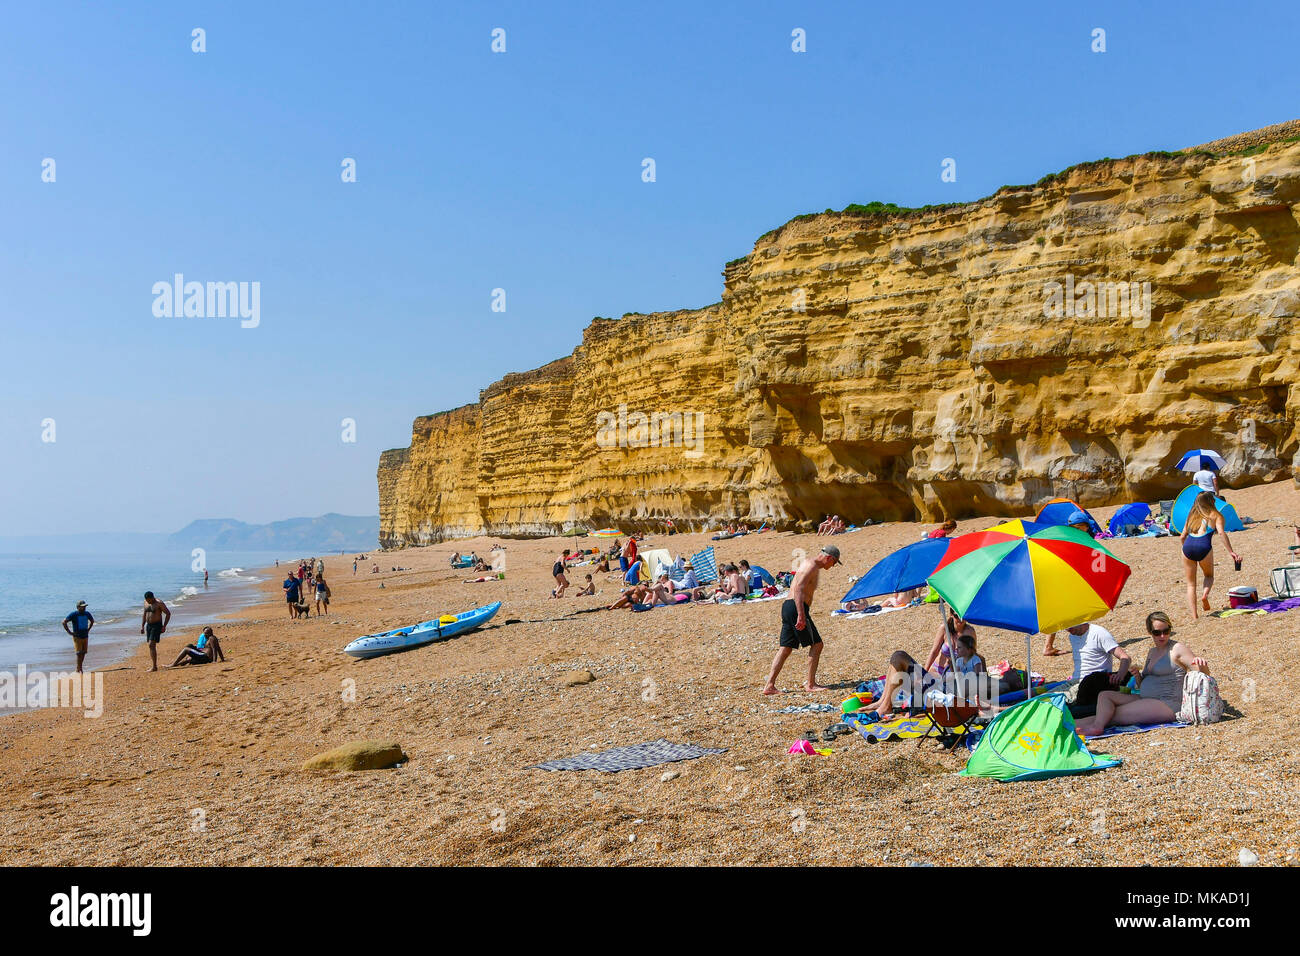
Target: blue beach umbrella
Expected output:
[906,568]
[1135,513]
[1200,459]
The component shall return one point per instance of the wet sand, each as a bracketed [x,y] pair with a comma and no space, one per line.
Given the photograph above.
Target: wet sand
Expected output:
[202,765]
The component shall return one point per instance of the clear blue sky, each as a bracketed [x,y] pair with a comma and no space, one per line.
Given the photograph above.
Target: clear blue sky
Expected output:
[476,171]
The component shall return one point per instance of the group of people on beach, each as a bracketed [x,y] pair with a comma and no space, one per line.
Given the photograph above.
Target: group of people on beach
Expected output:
[153,624]
[833,524]
[1105,687]
[670,585]
[304,583]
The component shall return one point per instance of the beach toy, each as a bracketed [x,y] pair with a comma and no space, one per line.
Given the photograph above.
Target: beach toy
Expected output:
[851,705]
[806,747]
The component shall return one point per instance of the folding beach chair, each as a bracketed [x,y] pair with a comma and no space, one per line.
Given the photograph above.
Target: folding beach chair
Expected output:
[951,725]
[1167,508]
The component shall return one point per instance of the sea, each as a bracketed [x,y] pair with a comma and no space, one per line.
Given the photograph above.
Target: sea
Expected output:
[37,591]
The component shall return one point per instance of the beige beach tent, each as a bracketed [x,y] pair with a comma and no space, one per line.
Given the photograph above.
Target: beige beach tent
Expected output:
[655,562]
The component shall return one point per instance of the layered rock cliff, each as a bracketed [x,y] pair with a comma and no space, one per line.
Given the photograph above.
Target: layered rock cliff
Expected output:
[1068,338]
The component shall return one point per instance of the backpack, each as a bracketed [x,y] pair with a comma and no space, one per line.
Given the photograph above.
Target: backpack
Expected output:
[1201,701]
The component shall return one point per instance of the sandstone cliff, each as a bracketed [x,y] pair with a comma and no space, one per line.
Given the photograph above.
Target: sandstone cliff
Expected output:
[1067,338]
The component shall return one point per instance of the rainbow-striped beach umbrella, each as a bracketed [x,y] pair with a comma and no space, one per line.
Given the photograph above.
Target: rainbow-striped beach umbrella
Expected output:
[1032,578]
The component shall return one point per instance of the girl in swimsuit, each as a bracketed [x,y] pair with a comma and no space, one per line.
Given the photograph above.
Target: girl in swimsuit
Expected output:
[1160,683]
[1198,549]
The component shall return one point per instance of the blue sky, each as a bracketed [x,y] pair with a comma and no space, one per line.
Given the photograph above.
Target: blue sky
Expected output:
[478,171]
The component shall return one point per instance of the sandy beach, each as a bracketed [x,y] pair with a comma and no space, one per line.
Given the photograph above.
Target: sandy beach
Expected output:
[201,765]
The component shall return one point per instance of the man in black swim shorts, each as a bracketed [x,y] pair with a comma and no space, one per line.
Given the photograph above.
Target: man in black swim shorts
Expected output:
[797,628]
[153,624]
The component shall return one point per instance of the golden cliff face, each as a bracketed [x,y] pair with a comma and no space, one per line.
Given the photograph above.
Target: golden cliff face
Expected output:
[1071,338]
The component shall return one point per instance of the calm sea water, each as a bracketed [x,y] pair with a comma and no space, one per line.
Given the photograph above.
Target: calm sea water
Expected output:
[38,590]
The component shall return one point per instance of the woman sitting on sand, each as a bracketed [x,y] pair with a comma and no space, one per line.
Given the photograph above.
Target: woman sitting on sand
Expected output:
[1160,683]
[203,651]
[943,650]
[1198,548]
[945,529]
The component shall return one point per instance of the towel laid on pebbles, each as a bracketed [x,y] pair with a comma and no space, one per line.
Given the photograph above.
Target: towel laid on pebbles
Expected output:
[1121,729]
[809,709]
[651,754]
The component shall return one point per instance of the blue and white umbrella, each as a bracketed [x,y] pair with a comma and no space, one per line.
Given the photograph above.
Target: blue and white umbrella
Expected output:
[1200,459]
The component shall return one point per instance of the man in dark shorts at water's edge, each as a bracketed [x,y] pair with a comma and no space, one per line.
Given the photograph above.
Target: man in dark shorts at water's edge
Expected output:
[81,622]
[797,628]
[156,617]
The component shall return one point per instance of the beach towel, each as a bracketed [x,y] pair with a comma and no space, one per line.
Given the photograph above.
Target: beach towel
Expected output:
[871,612]
[636,757]
[1266,606]
[900,728]
[705,565]
[1121,729]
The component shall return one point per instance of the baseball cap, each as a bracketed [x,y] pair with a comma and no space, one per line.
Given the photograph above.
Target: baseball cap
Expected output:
[833,551]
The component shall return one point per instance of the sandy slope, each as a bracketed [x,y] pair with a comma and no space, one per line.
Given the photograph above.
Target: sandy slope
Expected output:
[472,713]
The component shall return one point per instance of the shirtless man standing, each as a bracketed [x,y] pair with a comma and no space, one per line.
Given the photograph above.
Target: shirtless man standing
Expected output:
[797,628]
[155,620]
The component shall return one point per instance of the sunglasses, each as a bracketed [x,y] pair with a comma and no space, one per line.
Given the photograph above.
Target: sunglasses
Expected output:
[1162,630]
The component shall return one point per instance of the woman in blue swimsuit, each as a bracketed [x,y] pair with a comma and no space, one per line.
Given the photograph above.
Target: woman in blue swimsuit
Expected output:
[1198,548]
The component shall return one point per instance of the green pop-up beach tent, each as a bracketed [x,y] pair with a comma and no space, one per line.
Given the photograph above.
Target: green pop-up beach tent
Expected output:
[1033,740]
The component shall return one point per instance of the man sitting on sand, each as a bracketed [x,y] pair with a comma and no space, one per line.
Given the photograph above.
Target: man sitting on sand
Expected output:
[797,628]
[635,595]
[205,650]
[1093,648]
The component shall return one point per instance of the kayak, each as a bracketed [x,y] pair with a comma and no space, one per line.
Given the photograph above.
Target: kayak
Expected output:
[418,635]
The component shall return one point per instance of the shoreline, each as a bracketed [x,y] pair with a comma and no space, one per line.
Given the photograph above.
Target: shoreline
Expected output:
[476,712]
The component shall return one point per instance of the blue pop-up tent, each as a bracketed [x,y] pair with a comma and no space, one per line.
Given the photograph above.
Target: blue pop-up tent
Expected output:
[1183,507]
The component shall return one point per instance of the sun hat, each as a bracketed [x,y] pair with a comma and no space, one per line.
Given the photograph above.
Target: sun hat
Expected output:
[80,605]
[833,551]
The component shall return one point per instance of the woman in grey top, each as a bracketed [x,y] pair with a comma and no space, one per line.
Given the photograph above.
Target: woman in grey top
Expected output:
[1160,683]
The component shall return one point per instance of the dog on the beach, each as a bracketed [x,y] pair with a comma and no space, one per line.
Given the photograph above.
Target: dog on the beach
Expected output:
[301,610]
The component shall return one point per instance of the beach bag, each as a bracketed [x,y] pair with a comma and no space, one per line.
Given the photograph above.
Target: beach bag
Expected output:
[1286,581]
[1201,701]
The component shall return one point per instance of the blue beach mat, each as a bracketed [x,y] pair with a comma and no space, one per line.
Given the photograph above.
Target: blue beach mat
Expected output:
[1120,729]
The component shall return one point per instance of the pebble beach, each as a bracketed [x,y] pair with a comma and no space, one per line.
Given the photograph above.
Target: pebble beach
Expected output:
[203,765]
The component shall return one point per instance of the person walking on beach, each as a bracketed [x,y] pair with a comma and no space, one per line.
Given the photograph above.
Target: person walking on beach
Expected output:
[557,572]
[1198,548]
[354,568]
[205,579]
[81,622]
[322,595]
[153,624]
[1207,480]
[797,628]
[292,590]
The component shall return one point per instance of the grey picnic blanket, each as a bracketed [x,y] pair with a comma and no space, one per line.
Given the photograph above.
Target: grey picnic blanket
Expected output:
[630,758]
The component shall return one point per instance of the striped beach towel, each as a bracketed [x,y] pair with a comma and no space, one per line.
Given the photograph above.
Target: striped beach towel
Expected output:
[706,565]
